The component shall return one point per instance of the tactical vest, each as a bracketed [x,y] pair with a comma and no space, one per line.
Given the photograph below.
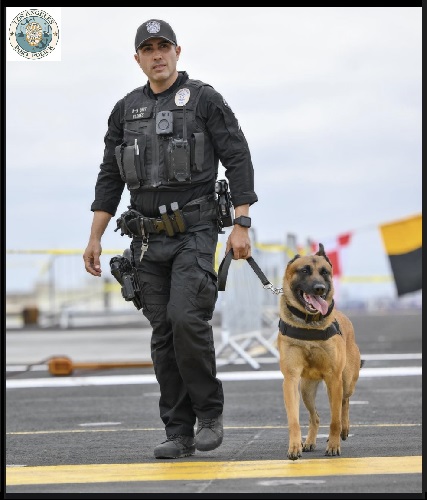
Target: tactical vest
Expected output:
[163,145]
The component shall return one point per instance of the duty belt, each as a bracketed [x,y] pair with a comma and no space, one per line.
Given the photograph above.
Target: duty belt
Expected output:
[134,223]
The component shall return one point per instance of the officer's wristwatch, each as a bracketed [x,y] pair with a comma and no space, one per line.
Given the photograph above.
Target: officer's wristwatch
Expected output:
[243,221]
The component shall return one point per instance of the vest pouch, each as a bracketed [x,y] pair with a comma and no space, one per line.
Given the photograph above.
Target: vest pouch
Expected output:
[119,157]
[197,151]
[178,160]
[130,162]
[139,159]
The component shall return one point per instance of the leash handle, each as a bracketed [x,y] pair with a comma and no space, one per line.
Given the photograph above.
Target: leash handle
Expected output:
[223,272]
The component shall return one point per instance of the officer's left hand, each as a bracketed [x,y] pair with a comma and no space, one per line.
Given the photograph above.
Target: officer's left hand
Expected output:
[240,242]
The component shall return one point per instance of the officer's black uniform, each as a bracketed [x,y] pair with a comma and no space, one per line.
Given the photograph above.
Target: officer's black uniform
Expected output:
[166,148]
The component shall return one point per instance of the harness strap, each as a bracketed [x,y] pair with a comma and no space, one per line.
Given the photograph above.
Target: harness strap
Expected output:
[309,333]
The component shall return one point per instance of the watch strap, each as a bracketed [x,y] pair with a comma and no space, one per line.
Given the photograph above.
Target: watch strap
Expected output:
[243,220]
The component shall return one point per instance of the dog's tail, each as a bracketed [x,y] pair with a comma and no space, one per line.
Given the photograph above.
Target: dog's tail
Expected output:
[362,362]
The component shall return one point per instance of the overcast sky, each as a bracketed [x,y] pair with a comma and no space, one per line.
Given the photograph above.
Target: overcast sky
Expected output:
[329,99]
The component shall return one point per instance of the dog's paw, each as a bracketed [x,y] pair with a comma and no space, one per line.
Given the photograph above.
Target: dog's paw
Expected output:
[309,447]
[332,451]
[294,452]
[294,456]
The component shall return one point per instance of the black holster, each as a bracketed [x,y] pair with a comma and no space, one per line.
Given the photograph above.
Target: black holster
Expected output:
[127,276]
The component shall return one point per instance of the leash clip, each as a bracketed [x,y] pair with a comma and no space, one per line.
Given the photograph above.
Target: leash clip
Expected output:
[276,291]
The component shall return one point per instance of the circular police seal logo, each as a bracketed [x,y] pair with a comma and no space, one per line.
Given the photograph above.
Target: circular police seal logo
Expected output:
[33,34]
[182,97]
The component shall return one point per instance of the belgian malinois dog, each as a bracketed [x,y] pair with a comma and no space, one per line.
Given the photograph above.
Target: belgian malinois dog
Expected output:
[316,342]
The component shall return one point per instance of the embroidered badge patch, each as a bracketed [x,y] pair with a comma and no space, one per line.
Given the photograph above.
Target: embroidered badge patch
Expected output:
[182,97]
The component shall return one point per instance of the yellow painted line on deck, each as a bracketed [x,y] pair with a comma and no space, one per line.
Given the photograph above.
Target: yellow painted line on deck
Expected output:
[208,471]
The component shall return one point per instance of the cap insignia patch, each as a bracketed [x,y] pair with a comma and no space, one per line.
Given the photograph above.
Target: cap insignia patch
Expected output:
[153,27]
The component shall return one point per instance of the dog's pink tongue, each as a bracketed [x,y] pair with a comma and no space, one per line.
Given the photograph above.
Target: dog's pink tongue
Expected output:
[318,303]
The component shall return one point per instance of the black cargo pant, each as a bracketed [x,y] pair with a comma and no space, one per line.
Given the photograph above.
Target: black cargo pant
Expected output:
[179,292]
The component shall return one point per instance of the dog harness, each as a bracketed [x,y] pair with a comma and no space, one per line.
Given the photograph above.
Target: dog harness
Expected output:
[309,333]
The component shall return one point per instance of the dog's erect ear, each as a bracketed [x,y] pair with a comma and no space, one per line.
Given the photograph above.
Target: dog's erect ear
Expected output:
[294,258]
[321,253]
[321,250]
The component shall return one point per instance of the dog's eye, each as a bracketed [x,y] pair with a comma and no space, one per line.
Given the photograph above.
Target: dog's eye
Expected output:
[325,272]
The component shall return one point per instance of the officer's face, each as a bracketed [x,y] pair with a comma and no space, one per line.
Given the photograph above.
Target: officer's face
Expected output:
[157,58]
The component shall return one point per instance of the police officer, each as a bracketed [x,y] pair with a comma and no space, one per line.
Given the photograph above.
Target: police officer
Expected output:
[164,142]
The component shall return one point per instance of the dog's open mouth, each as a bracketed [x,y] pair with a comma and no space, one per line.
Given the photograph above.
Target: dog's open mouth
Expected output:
[314,303]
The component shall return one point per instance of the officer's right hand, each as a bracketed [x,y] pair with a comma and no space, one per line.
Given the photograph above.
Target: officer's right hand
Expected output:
[91,258]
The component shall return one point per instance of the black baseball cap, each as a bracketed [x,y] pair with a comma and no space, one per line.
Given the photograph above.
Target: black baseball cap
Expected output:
[154,28]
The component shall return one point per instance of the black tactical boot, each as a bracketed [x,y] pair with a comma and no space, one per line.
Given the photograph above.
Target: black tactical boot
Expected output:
[209,433]
[175,446]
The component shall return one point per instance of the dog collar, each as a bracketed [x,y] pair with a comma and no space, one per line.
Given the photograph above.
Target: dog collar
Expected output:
[309,333]
[309,318]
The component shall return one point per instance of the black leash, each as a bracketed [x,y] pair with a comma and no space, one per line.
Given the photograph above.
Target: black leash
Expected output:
[223,272]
